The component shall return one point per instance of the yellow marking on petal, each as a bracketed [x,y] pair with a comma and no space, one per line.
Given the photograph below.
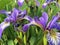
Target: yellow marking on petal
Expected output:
[53,34]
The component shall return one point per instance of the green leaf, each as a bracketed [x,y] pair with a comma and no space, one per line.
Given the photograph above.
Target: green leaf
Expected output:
[10,42]
[32,40]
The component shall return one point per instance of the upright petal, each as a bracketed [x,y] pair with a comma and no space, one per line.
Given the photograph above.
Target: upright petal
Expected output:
[40,21]
[20,2]
[22,14]
[54,19]
[14,15]
[45,16]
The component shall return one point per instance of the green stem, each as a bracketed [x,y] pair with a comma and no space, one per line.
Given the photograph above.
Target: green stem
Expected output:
[21,35]
[25,39]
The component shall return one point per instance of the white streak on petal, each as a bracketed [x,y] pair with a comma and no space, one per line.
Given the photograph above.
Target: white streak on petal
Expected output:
[21,1]
[53,40]
[3,25]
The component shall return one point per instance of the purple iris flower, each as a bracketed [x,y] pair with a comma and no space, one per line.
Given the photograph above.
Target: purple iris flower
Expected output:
[47,2]
[20,2]
[12,18]
[52,37]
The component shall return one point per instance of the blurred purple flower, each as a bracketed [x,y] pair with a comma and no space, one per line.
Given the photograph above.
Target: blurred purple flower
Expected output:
[37,3]
[12,18]
[20,2]
[46,3]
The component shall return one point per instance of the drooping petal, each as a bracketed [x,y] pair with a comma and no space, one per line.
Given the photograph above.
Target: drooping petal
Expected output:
[26,26]
[1,33]
[5,12]
[56,26]
[28,18]
[53,40]
[3,25]
[20,2]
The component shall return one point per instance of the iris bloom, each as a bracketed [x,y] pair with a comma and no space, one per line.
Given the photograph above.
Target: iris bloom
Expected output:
[12,17]
[52,37]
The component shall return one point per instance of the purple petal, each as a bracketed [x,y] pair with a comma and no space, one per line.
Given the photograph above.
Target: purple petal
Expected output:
[7,19]
[45,16]
[22,14]
[40,21]
[5,12]
[2,11]
[14,15]
[54,19]
[48,1]
[44,5]
[56,26]
[49,39]
[28,18]
[37,3]
[1,32]
[26,26]
[36,19]
[20,2]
